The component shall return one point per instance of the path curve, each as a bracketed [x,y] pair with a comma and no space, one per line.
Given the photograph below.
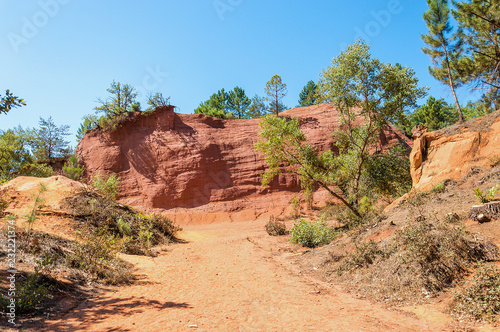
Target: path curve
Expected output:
[222,281]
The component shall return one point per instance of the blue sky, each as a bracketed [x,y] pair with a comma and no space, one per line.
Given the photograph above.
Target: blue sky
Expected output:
[61,55]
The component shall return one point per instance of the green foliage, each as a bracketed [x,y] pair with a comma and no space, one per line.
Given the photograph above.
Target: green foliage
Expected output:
[480,298]
[483,197]
[9,101]
[434,114]
[275,227]
[276,90]
[37,205]
[72,169]
[135,232]
[48,141]
[309,94]
[89,122]
[258,108]
[15,153]
[95,253]
[312,234]
[388,174]
[238,103]
[121,100]
[479,64]
[442,49]
[217,106]
[157,100]
[108,186]
[295,207]
[439,188]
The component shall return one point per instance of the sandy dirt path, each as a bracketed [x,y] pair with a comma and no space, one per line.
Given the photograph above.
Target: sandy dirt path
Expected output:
[222,281]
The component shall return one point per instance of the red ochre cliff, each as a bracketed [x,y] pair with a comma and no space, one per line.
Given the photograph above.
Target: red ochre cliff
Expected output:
[194,162]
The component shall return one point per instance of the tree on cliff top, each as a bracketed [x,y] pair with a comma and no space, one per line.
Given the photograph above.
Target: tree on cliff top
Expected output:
[216,106]
[309,95]
[276,90]
[122,100]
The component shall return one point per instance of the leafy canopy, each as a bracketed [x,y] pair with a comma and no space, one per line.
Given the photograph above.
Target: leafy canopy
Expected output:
[368,95]
[308,96]
[276,90]
[9,101]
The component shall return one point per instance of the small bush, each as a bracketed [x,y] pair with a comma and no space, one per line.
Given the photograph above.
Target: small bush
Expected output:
[495,160]
[96,254]
[420,260]
[480,299]
[275,227]
[32,291]
[312,234]
[439,188]
[72,170]
[483,197]
[295,207]
[107,186]
[142,231]
[364,255]
[37,204]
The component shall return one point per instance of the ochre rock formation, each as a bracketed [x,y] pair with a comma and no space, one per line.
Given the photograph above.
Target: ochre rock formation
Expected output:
[176,162]
[453,152]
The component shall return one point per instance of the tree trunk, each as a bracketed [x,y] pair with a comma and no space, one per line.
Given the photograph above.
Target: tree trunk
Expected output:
[450,81]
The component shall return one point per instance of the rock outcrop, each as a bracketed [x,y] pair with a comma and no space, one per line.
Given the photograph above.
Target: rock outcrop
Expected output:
[455,152]
[175,162]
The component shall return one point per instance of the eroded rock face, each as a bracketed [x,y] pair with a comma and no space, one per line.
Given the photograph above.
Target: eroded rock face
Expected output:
[452,153]
[175,161]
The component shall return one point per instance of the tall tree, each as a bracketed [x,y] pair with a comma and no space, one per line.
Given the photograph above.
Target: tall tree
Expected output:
[440,47]
[9,101]
[122,100]
[479,23]
[49,143]
[217,106]
[258,108]
[276,90]
[377,93]
[308,96]
[238,102]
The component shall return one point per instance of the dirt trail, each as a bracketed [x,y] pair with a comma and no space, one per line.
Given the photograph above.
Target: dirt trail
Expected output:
[221,281]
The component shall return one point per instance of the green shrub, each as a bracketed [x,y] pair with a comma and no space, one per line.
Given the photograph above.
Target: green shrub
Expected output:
[483,197]
[275,227]
[439,188]
[95,254]
[480,299]
[32,290]
[37,204]
[363,256]
[107,186]
[295,207]
[142,231]
[38,170]
[72,170]
[312,234]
